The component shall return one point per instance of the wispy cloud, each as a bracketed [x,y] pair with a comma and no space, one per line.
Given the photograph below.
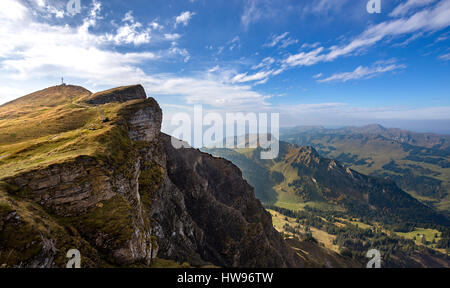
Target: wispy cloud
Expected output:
[252,12]
[234,43]
[266,62]
[310,45]
[174,50]
[305,58]
[281,40]
[288,42]
[432,19]
[445,57]
[244,77]
[275,39]
[317,75]
[258,10]
[427,20]
[408,5]
[361,73]
[172,37]
[324,6]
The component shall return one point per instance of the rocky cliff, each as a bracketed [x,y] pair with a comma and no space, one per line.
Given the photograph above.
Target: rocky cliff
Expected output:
[114,188]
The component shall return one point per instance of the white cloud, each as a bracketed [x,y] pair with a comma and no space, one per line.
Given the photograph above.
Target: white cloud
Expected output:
[256,10]
[40,3]
[156,26]
[12,10]
[310,46]
[317,75]
[172,37]
[208,90]
[275,39]
[33,50]
[445,57]
[266,62]
[244,77]
[220,50]
[47,10]
[251,12]
[288,42]
[361,73]
[180,51]
[281,39]
[56,12]
[324,6]
[432,19]
[128,33]
[443,37]
[131,32]
[408,5]
[214,69]
[235,42]
[184,18]
[305,58]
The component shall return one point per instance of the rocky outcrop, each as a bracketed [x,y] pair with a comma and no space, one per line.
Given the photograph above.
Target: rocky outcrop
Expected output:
[120,94]
[143,120]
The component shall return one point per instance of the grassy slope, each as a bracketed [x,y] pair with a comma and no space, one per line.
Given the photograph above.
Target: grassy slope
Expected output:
[324,238]
[58,128]
[329,254]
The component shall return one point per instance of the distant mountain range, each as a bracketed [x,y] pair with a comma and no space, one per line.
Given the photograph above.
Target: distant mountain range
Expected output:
[429,140]
[418,162]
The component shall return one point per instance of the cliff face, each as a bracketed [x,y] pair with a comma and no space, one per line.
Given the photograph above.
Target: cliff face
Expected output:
[121,194]
[236,230]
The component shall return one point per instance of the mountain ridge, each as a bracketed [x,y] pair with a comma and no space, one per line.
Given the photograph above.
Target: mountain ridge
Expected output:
[111,185]
[337,181]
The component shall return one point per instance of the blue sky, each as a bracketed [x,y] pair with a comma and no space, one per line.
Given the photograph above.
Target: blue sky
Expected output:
[316,62]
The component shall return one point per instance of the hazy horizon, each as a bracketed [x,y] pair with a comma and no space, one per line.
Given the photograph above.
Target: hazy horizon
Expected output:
[443,127]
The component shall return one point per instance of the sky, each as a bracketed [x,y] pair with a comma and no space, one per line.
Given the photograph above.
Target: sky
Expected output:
[315,62]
